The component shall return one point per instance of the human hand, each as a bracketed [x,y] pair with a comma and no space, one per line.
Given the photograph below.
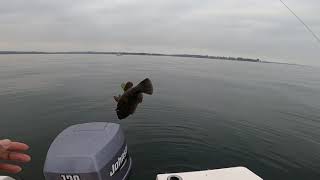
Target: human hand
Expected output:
[11,151]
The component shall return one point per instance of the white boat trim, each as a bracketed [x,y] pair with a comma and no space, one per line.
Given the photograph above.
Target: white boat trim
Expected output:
[235,173]
[6,178]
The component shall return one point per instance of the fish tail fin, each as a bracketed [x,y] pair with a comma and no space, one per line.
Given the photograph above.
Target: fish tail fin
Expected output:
[145,86]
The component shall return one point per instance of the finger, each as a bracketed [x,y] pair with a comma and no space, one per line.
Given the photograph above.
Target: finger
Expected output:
[14,156]
[4,155]
[18,146]
[9,168]
[5,143]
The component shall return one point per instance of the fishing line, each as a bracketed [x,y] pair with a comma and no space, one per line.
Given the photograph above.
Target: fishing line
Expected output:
[305,25]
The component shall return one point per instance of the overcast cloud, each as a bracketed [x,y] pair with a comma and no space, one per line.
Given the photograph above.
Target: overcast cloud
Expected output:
[249,28]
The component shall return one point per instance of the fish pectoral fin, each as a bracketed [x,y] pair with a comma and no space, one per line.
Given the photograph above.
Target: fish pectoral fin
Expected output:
[123,85]
[128,86]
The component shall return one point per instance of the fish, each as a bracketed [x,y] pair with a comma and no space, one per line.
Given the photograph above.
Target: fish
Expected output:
[127,103]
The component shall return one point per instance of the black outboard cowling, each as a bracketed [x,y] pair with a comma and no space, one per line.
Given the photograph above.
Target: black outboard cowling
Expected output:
[91,151]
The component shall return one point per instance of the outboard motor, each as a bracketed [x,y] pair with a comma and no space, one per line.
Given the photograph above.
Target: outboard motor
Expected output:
[91,151]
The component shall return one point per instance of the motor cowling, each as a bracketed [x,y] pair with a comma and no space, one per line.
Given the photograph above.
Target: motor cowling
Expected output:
[90,151]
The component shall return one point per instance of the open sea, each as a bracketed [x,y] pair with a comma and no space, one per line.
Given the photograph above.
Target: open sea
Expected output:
[204,114]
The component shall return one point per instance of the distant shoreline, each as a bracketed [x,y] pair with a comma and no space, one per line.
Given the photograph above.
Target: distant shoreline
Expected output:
[228,58]
[135,53]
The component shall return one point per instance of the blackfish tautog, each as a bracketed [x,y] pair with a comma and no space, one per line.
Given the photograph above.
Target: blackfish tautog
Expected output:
[132,96]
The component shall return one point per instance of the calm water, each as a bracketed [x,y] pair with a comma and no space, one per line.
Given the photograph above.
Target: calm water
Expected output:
[204,114]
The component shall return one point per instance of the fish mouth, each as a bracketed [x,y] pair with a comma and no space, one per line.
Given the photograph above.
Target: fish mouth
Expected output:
[121,115]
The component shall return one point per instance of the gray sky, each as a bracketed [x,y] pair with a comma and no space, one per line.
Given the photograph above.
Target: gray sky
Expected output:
[250,28]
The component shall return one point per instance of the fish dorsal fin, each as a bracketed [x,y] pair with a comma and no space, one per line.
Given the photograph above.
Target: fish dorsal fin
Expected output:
[117,98]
